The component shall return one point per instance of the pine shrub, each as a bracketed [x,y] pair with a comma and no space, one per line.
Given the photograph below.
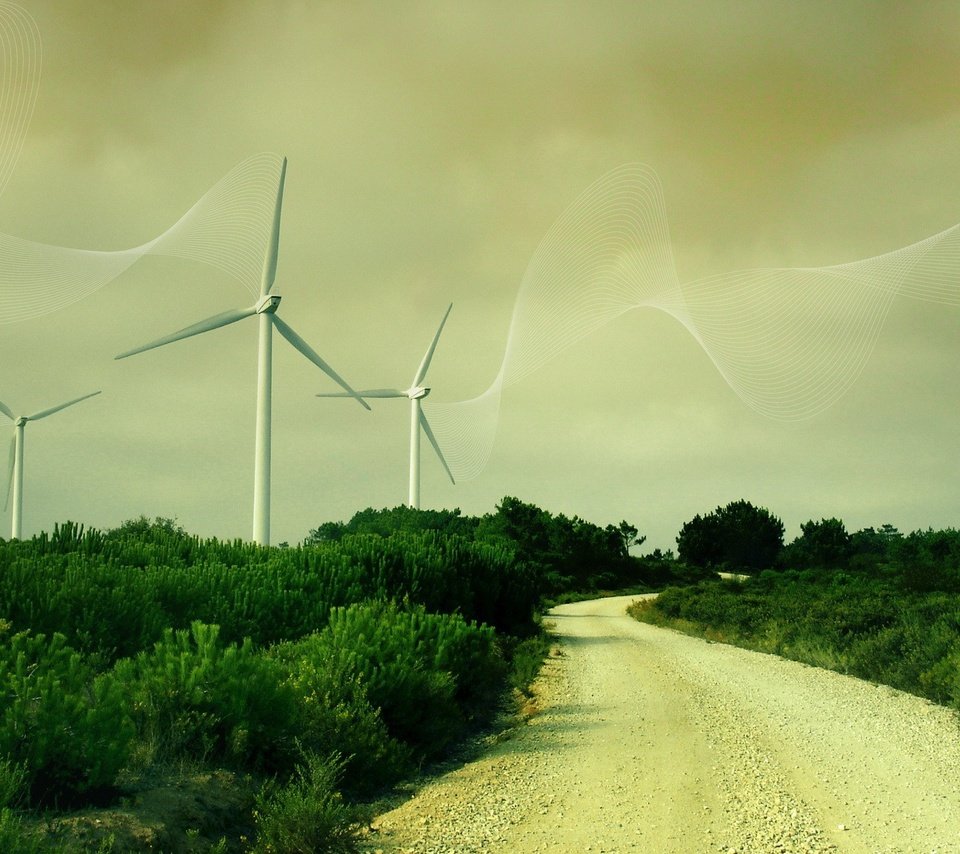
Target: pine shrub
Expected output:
[192,694]
[309,815]
[420,670]
[335,715]
[65,727]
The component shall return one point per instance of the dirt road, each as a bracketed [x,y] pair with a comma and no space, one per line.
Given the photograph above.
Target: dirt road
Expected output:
[653,741]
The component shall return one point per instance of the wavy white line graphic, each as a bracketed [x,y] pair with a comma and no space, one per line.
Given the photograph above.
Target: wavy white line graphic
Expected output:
[788,341]
[228,228]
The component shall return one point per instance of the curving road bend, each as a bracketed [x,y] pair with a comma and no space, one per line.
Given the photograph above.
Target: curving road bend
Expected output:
[653,741]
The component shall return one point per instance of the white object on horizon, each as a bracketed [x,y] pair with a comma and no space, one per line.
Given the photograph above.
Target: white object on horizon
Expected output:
[15,464]
[415,394]
[266,307]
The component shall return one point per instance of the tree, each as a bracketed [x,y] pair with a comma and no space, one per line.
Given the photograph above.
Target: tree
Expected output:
[628,535]
[822,545]
[391,519]
[871,548]
[573,554]
[739,536]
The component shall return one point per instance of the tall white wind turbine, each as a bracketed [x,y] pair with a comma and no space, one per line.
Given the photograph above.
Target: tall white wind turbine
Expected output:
[415,394]
[15,465]
[265,307]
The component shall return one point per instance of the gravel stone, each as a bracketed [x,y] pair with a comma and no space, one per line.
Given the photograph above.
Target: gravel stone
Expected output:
[652,741]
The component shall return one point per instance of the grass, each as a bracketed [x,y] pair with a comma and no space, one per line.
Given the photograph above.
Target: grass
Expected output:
[855,626]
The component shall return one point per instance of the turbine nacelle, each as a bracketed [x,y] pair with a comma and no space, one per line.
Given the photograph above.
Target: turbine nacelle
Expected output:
[418,421]
[14,474]
[267,304]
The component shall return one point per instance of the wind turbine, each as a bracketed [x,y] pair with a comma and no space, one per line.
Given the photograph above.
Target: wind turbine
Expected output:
[15,466]
[265,307]
[418,420]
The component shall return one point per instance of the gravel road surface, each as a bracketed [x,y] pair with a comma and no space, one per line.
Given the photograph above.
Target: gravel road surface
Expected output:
[649,740]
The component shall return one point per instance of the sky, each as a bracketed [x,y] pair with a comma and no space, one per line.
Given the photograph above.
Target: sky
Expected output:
[431,146]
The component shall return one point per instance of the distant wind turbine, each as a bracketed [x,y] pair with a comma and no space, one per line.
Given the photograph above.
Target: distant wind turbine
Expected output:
[15,465]
[418,420]
[265,307]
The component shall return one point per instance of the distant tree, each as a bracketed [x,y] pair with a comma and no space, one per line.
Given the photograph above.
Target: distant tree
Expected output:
[572,554]
[871,548]
[525,526]
[698,542]
[326,532]
[391,519]
[824,544]
[738,536]
[929,560]
[628,535]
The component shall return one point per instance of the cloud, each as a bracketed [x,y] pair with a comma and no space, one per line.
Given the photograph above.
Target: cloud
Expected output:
[431,146]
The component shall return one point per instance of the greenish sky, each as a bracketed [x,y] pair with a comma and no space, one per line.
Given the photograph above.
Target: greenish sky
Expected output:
[431,146]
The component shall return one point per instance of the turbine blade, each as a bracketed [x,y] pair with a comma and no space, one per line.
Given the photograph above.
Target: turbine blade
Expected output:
[298,343]
[270,262]
[367,392]
[223,319]
[425,364]
[9,478]
[433,441]
[7,411]
[43,413]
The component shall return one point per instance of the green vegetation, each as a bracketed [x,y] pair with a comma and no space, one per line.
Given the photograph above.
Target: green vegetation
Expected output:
[308,816]
[738,536]
[873,604]
[297,684]
[317,676]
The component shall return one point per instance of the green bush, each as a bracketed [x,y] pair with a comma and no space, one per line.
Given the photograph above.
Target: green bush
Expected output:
[335,715]
[309,815]
[526,659]
[13,779]
[425,672]
[13,838]
[192,694]
[871,627]
[66,728]
[112,594]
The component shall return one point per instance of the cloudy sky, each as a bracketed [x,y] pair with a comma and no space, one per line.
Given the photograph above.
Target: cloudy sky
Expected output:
[431,146]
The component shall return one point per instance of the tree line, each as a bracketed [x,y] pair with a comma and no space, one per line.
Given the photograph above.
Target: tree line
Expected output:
[316,676]
[740,537]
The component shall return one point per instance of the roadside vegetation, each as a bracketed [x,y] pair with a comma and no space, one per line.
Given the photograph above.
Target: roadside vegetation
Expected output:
[246,699]
[875,603]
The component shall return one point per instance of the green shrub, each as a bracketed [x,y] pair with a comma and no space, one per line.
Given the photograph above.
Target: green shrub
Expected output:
[335,715]
[191,694]
[14,839]
[871,627]
[65,727]
[425,672]
[13,779]
[526,659]
[308,816]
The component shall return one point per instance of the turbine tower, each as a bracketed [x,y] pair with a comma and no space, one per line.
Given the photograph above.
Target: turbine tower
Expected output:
[265,308]
[415,394]
[15,465]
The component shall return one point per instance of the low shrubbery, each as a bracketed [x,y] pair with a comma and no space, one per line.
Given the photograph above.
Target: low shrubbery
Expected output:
[308,815]
[863,625]
[66,729]
[327,671]
[192,694]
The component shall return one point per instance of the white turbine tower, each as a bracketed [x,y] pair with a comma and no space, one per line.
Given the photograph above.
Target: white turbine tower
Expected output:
[418,420]
[265,307]
[15,465]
